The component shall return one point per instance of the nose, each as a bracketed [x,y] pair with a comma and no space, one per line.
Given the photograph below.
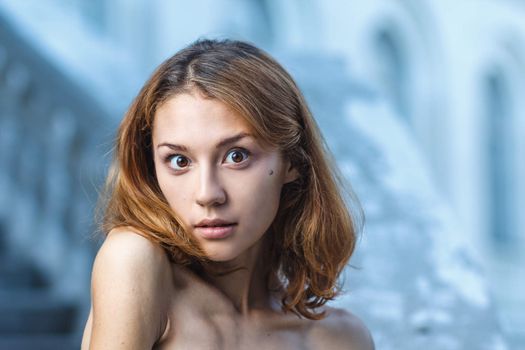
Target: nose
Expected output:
[210,192]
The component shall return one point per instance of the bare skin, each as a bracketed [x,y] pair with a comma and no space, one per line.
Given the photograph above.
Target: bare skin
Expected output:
[143,301]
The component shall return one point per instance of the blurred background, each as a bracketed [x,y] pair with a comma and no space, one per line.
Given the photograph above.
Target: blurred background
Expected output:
[421,101]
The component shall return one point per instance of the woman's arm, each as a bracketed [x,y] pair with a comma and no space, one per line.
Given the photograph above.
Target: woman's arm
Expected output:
[130,292]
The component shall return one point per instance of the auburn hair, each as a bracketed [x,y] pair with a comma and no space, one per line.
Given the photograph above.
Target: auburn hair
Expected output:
[314,232]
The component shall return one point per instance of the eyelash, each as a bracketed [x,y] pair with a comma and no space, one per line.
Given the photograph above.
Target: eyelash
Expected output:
[244,151]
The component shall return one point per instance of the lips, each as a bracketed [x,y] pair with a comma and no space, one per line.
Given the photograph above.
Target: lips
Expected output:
[215,228]
[213,223]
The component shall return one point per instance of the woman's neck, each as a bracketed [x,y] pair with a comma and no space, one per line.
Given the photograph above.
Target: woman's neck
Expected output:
[243,280]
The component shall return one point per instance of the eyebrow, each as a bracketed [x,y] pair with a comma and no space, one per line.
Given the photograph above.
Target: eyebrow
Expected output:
[222,143]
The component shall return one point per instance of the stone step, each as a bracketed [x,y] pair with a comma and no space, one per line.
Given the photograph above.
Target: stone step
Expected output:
[31,312]
[16,273]
[40,342]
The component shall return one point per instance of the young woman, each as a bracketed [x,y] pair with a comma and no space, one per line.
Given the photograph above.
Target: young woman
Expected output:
[226,224]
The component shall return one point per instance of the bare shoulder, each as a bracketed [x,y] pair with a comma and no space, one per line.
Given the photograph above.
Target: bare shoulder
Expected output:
[129,289]
[127,245]
[126,255]
[341,329]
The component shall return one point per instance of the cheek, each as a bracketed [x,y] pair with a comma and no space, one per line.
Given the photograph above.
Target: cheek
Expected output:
[175,193]
[259,198]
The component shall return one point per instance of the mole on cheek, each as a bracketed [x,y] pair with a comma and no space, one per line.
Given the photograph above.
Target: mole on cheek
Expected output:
[271,172]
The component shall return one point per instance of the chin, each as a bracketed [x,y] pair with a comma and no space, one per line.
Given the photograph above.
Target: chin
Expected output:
[229,250]
[221,254]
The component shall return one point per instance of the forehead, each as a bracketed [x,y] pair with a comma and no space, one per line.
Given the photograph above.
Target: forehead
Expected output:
[188,114]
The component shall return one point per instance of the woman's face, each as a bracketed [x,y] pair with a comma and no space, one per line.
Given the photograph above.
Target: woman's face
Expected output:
[209,167]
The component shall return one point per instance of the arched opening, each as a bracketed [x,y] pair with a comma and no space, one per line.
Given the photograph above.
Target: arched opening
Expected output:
[499,150]
[392,71]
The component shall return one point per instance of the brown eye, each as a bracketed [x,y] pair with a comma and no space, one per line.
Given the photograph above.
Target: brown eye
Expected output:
[178,162]
[237,155]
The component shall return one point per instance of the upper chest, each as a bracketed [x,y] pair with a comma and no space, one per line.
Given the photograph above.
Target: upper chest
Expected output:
[201,319]
[223,332]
